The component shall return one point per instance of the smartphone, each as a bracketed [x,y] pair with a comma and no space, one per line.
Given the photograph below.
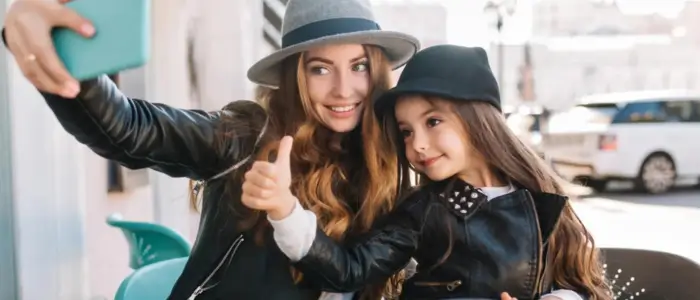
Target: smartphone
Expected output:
[121,40]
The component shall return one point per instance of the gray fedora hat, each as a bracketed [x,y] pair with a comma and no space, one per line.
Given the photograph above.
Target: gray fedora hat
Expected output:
[312,23]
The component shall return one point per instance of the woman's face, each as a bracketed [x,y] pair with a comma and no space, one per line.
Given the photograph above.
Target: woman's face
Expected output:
[338,80]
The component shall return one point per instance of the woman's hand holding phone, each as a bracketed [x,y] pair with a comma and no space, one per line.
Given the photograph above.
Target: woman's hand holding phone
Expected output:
[28,27]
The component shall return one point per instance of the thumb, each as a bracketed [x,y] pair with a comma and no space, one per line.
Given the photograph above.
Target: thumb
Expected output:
[283,153]
[67,17]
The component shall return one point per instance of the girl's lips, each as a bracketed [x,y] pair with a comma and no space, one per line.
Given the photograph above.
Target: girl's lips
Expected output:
[430,161]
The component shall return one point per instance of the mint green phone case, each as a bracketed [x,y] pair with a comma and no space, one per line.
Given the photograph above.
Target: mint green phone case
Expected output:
[121,40]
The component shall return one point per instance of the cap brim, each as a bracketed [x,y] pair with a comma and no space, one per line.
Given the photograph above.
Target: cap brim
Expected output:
[399,48]
[428,87]
[424,86]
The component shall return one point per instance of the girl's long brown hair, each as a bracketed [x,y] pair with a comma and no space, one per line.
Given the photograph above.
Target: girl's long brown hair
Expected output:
[572,252]
[331,171]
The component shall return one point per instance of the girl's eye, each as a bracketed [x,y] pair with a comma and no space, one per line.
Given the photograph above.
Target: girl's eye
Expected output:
[432,122]
[360,67]
[319,70]
[405,133]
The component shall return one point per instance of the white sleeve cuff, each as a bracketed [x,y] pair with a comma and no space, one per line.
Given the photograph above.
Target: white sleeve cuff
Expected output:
[562,294]
[295,233]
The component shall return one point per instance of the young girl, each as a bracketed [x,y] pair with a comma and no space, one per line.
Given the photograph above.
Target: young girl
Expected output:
[488,219]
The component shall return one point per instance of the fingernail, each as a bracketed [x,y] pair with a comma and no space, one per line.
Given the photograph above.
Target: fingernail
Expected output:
[87,29]
[71,89]
[68,94]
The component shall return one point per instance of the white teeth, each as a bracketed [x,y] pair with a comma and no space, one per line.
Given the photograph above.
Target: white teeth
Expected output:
[342,108]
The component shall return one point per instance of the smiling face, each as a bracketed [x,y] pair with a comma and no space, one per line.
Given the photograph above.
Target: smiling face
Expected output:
[436,141]
[338,81]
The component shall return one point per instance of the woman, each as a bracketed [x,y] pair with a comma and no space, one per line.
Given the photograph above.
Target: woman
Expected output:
[334,57]
[489,219]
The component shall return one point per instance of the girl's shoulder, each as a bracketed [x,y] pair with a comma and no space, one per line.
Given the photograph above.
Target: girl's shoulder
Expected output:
[417,198]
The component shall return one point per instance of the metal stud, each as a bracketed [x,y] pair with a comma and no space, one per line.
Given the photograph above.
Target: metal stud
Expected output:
[626,287]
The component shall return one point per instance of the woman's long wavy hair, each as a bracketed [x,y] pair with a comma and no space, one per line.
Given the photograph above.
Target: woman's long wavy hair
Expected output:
[332,172]
[572,252]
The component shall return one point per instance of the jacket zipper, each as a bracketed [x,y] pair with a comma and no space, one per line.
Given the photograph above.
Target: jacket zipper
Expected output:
[538,278]
[196,293]
[228,256]
[450,285]
[545,265]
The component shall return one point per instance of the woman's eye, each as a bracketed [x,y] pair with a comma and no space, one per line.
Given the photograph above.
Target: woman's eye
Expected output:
[361,67]
[405,133]
[319,70]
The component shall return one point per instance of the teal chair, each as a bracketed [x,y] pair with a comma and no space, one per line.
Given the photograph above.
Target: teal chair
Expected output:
[150,243]
[152,282]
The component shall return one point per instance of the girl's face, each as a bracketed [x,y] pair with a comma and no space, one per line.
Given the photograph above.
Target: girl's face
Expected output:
[338,81]
[437,144]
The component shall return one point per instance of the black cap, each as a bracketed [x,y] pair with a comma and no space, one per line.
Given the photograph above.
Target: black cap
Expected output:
[448,71]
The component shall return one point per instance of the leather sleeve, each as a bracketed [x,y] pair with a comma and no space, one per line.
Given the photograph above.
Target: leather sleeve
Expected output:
[387,249]
[140,134]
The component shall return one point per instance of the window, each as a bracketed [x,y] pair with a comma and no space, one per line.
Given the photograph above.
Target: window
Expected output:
[696,111]
[679,111]
[641,112]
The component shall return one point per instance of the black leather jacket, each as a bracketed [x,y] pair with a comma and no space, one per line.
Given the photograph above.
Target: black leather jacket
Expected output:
[184,143]
[498,246]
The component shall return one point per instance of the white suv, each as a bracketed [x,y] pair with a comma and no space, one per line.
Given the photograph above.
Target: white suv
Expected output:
[652,138]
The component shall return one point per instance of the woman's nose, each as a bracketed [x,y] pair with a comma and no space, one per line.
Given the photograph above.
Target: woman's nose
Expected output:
[343,85]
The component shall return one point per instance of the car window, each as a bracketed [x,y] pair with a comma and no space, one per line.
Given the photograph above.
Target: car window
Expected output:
[696,111]
[641,112]
[678,111]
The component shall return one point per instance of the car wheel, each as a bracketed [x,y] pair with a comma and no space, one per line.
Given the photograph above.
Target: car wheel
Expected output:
[658,174]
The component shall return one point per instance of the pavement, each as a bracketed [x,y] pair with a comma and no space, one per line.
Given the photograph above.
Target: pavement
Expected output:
[620,218]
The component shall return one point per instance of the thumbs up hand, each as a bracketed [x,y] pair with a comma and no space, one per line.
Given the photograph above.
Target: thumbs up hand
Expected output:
[266,184]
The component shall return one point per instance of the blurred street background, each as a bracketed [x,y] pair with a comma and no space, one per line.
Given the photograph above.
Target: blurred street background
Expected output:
[625,219]
[606,91]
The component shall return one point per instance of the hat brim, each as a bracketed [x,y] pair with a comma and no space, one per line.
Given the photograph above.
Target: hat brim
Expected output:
[429,87]
[385,103]
[399,48]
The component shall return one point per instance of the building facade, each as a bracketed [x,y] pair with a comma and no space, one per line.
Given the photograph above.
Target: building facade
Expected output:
[581,47]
